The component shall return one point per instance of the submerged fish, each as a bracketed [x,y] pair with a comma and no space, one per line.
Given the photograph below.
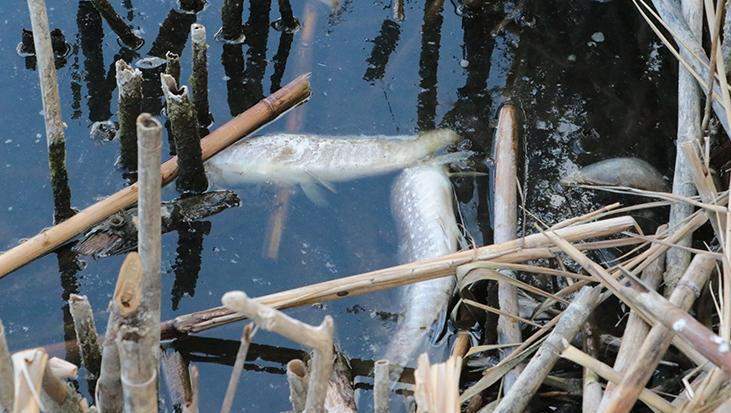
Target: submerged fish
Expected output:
[309,160]
[421,200]
[631,172]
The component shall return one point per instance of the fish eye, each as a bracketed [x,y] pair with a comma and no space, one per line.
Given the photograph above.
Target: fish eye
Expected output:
[117,221]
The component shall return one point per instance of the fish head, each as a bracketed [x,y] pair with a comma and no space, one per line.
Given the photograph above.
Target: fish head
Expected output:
[437,139]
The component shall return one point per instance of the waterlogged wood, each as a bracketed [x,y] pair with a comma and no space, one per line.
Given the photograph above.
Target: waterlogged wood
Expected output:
[437,385]
[247,122]
[517,398]
[319,338]
[381,387]
[6,374]
[297,379]
[28,367]
[636,328]
[506,226]
[644,361]
[85,328]
[523,249]
[233,381]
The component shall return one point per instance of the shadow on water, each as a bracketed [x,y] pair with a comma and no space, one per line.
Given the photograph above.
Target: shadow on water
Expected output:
[589,79]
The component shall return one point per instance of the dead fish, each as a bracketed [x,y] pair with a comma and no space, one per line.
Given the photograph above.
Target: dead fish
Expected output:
[311,161]
[422,203]
[118,233]
[631,172]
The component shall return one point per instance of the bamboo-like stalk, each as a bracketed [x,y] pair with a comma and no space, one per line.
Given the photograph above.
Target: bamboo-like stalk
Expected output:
[51,110]
[340,396]
[199,75]
[258,115]
[689,124]
[6,374]
[184,128]
[517,398]
[177,378]
[86,333]
[172,65]
[232,13]
[318,338]
[523,249]
[297,379]
[644,361]
[506,227]
[138,371]
[28,369]
[381,387]
[233,381]
[610,374]
[125,302]
[129,85]
[59,396]
[437,385]
[636,329]
[118,25]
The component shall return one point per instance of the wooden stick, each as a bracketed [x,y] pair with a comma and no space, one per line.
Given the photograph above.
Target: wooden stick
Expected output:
[233,382]
[522,249]
[381,387]
[255,117]
[85,328]
[125,302]
[118,25]
[646,359]
[51,110]
[437,385]
[297,379]
[129,85]
[199,75]
[636,329]
[506,227]
[318,338]
[689,123]
[610,374]
[28,367]
[517,398]
[6,374]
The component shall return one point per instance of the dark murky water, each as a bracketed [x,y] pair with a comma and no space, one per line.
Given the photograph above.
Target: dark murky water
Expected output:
[589,78]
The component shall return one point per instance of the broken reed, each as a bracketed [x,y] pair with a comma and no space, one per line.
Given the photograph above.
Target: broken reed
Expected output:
[172,66]
[129,85]
[199,76]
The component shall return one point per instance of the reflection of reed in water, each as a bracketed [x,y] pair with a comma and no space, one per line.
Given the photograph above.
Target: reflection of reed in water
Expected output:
[280,59]
[232,60]
[98,87]
[188,261]
[431,30]
[173,34]
[257,35]
[383,46]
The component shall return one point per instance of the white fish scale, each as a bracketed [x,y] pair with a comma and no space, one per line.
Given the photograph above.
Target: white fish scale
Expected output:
[421,201]
[291,159]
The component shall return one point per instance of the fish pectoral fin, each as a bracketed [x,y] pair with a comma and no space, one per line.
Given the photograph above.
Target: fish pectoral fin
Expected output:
[314,193]
[330,187]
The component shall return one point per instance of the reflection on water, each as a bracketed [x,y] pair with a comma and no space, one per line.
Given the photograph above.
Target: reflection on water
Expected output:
[580,101]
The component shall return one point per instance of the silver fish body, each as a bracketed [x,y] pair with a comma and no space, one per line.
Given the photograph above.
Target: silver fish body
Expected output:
[422,204]
[298,159]
[631,172]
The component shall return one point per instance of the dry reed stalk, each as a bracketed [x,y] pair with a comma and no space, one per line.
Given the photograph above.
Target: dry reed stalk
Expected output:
[516,399]
[138,369]
[340,396]
[247,122]
[707,389]
[612,375]
[381,387]
[437,385]
[118,25]
[6,373]
[297,379]
[59,396]
[592,392]
[319,338]
[55,140]
[199,75]
[85,328]
[706,187]
[523,249]
[177,378]
[636,329]
[129,85]
[644,361]
[63,369]
[461,344]
[506,225]
[191,406]
[689,123]
[28,368]
[233,381]
[125,302]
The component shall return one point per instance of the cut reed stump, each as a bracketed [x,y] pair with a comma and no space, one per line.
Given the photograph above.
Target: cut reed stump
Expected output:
[55,140]
[29,367]
[319,338]
[297,379]
[252,119]
[129,85]
[172,66]
[437,385]
[6,374]
[381,387]
[199,75]
[572,319]
[184,127]
[59,396]
[523,249]
[118,25]
[85,328]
